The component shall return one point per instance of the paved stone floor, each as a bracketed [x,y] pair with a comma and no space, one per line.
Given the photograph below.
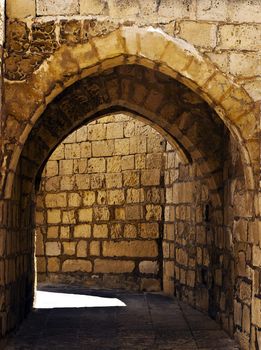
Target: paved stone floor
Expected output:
[148,321]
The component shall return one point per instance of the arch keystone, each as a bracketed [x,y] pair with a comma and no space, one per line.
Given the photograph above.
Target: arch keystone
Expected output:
[109,46]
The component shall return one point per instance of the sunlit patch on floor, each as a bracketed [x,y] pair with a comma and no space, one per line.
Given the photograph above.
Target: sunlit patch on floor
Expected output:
[51,300]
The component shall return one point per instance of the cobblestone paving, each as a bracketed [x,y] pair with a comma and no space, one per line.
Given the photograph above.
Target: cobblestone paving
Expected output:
[149,321]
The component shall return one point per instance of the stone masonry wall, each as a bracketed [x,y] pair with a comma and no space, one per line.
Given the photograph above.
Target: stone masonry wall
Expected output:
[225,31]
[99,208]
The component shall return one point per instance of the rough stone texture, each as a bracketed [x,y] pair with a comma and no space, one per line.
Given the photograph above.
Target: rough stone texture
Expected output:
[20,9]
[46,54]
[101,219]
[57,7]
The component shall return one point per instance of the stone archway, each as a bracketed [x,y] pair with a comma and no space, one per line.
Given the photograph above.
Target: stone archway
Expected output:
[27,101]
[147,47]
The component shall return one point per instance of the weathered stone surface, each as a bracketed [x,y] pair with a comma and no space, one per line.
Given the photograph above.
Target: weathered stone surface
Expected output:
[57,7]
[239,37]
[53,248]
[20,9]
[82,231]
[113,266]
[130,248]
[74,265]
[150,267]
[207,194]
[199,34]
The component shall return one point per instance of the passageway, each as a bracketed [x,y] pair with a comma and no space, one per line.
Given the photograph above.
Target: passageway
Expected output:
[148,321]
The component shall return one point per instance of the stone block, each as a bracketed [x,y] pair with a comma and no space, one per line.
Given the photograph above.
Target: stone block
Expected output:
[82,249]
[53,248]
[82,231]
[198,33]
[72,151]
[113,266]
[20,9]
[85,215]
[69,248]
[182,256]
[67,183]
[39,245]
[96,165]
[130,249]
[256,311]
[57,7]
[52,231]
[177,9]
[100,231]
[74,265]
[127,162]
[95,248]
[114,164]
[214,10]
[149,267]
[154,160]
[137,144]
[94,7]
[120,214]
[53,184]
[103,148]
[122,146]
[51,168]
[130,231]
[191,276]
[135,195]
[131,178]
[53,264]
[116,197]
[253,88]
[66,167]
[120,9]
[82,134]
[140,161]
[153,212]
[74,199]
[65,232]
[101,214]
[69,217]
[82,181]
[256,253]
[247,64]
[101,197]
[56,200]
[40,266]
[88,198]
[239,37]
[86,149]
[244,11]
[96,132]
[114,131]
[109,46]
[114,180]
[116,231]
[53,216]
[134,212]
[150,177]
[149,230]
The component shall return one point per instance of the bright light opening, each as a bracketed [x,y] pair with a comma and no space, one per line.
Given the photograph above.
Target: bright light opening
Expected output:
[51,300]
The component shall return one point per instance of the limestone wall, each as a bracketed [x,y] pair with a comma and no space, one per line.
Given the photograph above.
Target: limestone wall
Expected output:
[225,31]
[99,209]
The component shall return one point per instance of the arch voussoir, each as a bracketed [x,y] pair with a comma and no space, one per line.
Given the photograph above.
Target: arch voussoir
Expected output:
[147,47]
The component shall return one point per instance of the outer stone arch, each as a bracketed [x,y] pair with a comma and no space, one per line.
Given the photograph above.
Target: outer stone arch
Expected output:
[143,46]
